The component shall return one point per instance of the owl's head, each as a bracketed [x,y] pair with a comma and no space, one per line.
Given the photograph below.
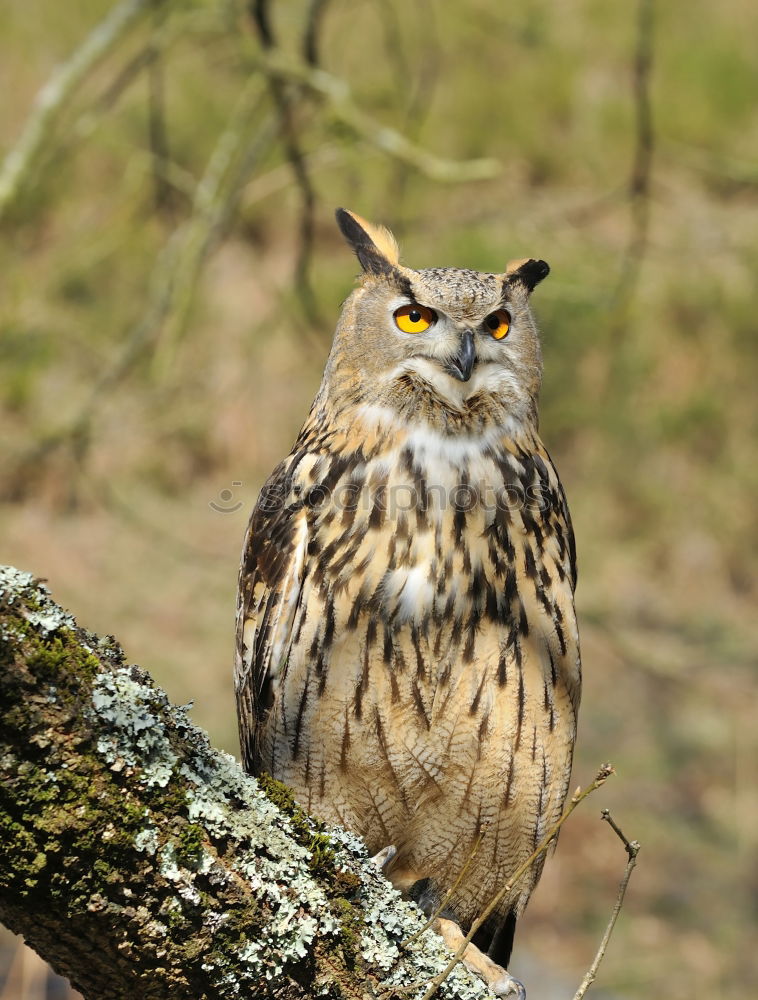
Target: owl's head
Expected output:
[455,348]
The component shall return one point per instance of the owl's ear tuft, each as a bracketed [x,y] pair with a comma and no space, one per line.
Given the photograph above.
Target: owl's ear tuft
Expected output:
[528,271]
[374,246]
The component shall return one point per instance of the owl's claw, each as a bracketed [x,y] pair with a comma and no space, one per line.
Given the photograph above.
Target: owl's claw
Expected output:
[499,980]
[508,986]
[383,858]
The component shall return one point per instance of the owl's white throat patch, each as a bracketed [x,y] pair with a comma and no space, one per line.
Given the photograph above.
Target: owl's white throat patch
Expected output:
[429,444]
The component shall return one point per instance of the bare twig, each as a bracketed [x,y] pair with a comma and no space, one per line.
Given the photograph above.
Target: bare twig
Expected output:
[641,172]
[52,100]
[167,33]
[579,796]
[632,849]
[216,195]
[177,268]
[285,101]
[173,283]
[449,894]
[337,96]
[420,95]
[431,66]
[311,39]
[157,128]
[201,22]
[121,82]
[394,49]
[264,185]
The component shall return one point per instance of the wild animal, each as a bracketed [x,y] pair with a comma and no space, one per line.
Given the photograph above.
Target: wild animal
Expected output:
[407,648]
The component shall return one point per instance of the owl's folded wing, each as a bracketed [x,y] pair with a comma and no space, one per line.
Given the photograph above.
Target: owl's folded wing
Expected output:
[270,584]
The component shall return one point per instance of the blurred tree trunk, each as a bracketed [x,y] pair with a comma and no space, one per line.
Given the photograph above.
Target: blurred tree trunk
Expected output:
[140,862]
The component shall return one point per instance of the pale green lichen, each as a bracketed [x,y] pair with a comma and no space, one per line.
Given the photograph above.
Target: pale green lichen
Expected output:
[147,840]
[226,803]
[134,734]
[388,921]
[139,731]
[43,614]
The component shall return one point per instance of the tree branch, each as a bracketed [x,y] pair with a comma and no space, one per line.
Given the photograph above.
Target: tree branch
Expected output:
[642,165]
[579,796]
[54,96]
[139,861]
[286,102]
[338,98]
[632,848]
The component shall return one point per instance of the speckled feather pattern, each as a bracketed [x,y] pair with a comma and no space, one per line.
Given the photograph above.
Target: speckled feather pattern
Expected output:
[408,657]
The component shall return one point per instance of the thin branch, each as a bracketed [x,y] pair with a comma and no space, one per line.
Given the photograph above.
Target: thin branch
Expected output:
[279,177]
[432,63]
[285,102]
[177,268]
[163,37]
[394,49]
[632,848]
[173,283]
[54,97]
[639,183]
[215,200]
[121,82]
[311,39]
[337,95]
[420,94]
[183,25]
[260,13]
[642,162]
[157,127]
[579,796]
[450,892]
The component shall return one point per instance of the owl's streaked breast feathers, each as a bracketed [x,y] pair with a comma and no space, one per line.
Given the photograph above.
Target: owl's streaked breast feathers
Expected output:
[407,652]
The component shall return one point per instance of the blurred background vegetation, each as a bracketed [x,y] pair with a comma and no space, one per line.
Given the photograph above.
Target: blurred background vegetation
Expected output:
[171,273]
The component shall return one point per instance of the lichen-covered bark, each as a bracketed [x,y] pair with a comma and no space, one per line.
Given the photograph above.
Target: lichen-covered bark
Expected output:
[141,862]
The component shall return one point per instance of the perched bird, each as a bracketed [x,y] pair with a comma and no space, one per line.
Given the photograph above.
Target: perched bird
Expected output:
[407,649]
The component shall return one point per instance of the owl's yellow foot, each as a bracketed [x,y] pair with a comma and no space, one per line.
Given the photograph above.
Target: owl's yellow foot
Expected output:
[384,857]
[499,980]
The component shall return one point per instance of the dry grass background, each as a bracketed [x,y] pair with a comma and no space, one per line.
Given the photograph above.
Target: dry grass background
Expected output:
[648,406]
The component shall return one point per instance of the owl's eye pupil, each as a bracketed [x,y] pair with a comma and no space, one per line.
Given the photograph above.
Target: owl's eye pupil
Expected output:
[414,318]
[498,323]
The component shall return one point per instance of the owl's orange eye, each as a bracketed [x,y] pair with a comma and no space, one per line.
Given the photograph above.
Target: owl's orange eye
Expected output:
[414,318]
[498,323]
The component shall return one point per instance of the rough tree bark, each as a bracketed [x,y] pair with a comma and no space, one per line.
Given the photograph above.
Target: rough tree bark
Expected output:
[141,862]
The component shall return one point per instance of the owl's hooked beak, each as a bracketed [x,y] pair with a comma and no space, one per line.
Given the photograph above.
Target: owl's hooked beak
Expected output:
[462,364]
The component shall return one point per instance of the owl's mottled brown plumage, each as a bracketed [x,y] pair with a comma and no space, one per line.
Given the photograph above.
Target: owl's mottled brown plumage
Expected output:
[408,657]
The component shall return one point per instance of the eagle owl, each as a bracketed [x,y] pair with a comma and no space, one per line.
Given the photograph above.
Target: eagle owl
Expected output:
[407,650]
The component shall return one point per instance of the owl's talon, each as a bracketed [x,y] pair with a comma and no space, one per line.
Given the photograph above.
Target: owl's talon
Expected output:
[384,857]
[508,986]
[499,980]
